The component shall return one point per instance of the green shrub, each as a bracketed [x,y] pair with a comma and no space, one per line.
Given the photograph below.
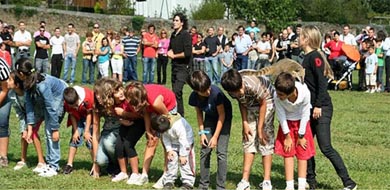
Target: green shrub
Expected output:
[98,8]
[137,22]
[18,11]
[179,9]
[209,10]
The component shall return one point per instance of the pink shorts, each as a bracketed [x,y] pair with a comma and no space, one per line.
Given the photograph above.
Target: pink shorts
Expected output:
[297,151]
[36,129]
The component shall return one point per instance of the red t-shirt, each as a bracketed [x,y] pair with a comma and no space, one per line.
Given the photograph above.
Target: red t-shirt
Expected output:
[335,48]
[7,57]
[194,38]
[86,105]
[154,91]
[149,51]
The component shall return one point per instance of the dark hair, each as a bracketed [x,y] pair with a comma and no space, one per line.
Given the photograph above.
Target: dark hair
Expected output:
[89,34]
[17,80]
[160,123]
[264,34]
[199,81]
[327,35]
[33,77]
[151,25]
[336,33]
[238,28]
[298,26]
[194,27]
[105,38]
[231,80]
[71,24]
[56,28]
[285,83]
[70,95]
[183,19]
[346,25]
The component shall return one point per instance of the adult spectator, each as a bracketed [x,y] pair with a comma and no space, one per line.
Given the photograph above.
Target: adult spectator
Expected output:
[243,43]
[263,48]
[283,46]
[212,49]
[22,40]
[252,54]
[194,35]
[150,42]
[46,34]
[57,43]
[347,37]
[5,108]
[386,49]
[294,44]
[290,32]
[6,36]
[131,45]
[162,58]
[198,51]
[180,51]
[252,28]
[223,40]
[72,46]
[88,49]
[42,45]
[97,36]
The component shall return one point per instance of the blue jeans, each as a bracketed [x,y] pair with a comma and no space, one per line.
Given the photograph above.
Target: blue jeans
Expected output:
[81,128]
[379,75]
[42,65]
[148,69]
[130,68]
[4,118]
[241,61]
[252,64]
[212,65]
[106,149]
[70,60]
[88,65]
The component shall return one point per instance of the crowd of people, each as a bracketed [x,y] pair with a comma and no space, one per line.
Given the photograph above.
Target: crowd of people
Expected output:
[202,61]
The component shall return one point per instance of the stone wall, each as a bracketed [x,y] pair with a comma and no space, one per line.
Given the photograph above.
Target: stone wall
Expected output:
[84,21]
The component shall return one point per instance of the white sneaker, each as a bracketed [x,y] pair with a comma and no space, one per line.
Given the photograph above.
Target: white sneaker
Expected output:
[48,172]
[243,185]
[40,167]
[368,90]
[119,177]
[143,179]
[372,91]
[20,165]
[134,179]
[265,185]
[159,184]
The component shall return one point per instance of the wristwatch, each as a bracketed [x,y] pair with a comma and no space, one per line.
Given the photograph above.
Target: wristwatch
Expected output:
[301,136]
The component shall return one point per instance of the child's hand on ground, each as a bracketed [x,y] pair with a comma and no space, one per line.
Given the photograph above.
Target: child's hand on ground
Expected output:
[302,142]
[75,137]
[55,135]
[287,143]
[183,160]
[246,132]
[203,140]
[213,142]
[171,155]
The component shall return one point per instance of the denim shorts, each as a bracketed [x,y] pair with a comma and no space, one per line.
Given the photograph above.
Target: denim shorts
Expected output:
[81,128]
[4,118]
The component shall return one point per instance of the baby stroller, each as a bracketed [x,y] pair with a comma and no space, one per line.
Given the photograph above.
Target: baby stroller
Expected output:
[343,74]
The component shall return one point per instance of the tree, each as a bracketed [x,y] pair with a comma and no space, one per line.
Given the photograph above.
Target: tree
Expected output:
[379,6]
[209,10]
[121,7]
[178,9]
[274,14]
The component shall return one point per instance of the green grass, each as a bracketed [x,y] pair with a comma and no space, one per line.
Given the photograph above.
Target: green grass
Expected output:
[359,133]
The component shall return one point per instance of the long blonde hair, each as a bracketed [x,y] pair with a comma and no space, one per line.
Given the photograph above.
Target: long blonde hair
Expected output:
[314,37]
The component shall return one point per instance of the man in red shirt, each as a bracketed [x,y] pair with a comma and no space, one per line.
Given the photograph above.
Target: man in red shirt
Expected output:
[150,45]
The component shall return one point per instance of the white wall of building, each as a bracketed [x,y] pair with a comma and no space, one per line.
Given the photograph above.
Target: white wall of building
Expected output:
[152,8]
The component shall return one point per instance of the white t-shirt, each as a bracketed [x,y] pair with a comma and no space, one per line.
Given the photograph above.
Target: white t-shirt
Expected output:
[348,39]
[263,46]
[71,42]
[22,37]
[56,43]
[179,134]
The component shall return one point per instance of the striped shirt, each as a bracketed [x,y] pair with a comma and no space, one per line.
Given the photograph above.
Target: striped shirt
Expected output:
[256,90]
[4,70]
[130,45]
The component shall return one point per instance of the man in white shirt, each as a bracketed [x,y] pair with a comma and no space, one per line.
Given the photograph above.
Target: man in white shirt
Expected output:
[243,46]
[22,39]
[263,48]
[386,52]
[72,46]
[347,37]
[57,53]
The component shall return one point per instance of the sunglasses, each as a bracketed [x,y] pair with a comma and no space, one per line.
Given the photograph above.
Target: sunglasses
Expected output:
[95,27]
[41,30]
[163,33]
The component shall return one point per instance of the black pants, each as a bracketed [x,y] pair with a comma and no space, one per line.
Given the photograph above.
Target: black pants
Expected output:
[128,138]
[180,73]
[162,62]
[56,65]
[387,72]
[321,129]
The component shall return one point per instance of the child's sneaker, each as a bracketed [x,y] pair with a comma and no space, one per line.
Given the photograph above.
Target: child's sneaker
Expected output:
[186,186]
[119,177]
[134,179]
[48,172]
[67,169]
[40,167]
[168,186]
[159,184]
[243,185]
[3,161]
[20,165]
[143,179]
[265,185]
[351,187]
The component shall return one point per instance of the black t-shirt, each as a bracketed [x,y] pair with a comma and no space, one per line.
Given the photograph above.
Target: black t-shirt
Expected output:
[6,36]
[181,42]
[212,43]
[286,52]
[40,52]
[199,47]
[315,80]
[295,39]
[209,104]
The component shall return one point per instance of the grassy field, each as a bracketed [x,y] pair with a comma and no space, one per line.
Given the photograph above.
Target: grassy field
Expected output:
[358,133]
